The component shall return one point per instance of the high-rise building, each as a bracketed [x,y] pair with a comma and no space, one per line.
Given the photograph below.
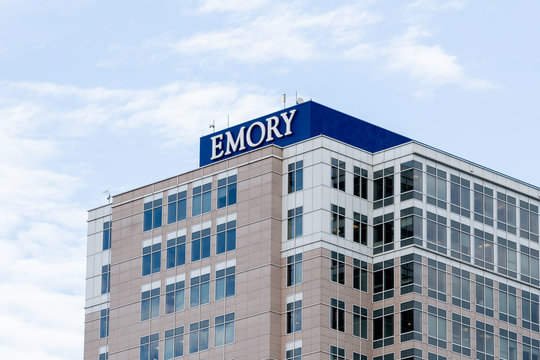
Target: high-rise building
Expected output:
[310,234]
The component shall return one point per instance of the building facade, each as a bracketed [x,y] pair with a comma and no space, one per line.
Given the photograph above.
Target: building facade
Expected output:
[309,234]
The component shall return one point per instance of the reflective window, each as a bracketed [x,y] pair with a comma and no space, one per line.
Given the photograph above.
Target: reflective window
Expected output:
[174,343]
[226,237]
[295,177]
[338,220]
[224,330]
[104,324]
[198,336]
[200,244]
[294,269]
[152,214]
[176,208]
[150,304]
[200,290]
[149,347]
[174,297]
[294,223]
[176,250]
[294,316]
[225,282]
[338,174]
[360,182]
[337,315]
[337,268]
[226,191]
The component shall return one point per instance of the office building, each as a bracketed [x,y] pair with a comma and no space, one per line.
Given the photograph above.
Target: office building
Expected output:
[310,234]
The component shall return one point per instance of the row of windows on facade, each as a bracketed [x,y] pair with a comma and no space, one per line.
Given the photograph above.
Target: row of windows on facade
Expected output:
[466,244]
[201,203]
[199,339]
[176,251]
[200,248]
[225,286]
[436,193]
[485,346]
[460,288]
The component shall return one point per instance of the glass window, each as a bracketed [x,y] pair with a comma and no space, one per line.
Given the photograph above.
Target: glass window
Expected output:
[224,330]
[337,268]
[360,186]
[461,288]
[411,227]
[360,275]
[226,191]
[174,343]
[104,324]
[483,249]
[225,282]
[507,345]
[531,348]
[105,279]
[337,315]
[485,342]
[200,244]
[383,280]
[411,321]
[461,334]
[411,274]
[150,304]
[383,327]
[294,316]
[436,233]
[338,174]
[226,237]
[174,297]
[506,213]
[176,208]
[294,223]
[360,229]
[295,177]
[198,336]
[529,311]
[152,214]
[337,353]
[484,296]
[202,199]
[528,221]
[360,322]
[338,220]
[176,250]
[483,204]
[460,241]
[200,290]
[383,187]
[460,196]
[506,257]
[437,280]
[436,327]
[507,303]
[149,347]
[106,235]
[411,180]
[436,187]
[294,269]
[151,259]
[383,233]
[294,354]
[529,265]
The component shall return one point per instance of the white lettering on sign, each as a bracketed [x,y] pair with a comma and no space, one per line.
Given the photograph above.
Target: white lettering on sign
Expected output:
[268,132]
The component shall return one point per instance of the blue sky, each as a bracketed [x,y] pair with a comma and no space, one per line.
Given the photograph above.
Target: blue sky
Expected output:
[98,95]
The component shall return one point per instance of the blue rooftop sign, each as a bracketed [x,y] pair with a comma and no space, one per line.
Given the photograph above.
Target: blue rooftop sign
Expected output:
[292,125]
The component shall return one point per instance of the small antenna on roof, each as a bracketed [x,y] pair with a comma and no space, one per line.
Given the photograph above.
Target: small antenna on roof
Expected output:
[213,125]
[107,192]
[283,99]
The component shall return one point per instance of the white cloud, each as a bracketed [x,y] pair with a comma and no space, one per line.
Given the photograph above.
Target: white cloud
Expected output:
[231,5]
[283,32]
[430,65]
